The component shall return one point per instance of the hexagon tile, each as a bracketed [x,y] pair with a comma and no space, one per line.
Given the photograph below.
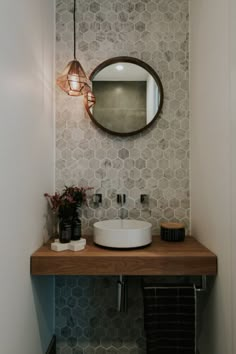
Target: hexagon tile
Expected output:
[87,321]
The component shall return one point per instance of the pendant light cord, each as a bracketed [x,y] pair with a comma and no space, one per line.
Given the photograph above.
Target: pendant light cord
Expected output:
[74,29]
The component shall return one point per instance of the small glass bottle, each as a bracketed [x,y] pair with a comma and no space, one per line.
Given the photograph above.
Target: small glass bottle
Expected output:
[65,230]
[76,227]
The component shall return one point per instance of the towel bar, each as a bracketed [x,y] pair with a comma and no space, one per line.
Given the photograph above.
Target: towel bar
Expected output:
[202,287]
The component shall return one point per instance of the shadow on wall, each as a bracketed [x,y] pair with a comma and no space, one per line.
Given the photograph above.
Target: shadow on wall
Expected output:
[204,299]
[43,292]
[87,317]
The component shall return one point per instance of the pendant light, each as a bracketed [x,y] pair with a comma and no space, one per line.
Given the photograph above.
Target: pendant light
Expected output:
[73,79]
[89,98]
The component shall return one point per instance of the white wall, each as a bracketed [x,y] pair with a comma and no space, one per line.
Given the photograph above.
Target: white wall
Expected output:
[27,170]
[232,63]
[211,166]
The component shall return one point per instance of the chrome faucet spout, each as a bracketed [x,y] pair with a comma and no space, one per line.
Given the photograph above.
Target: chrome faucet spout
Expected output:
[121,199]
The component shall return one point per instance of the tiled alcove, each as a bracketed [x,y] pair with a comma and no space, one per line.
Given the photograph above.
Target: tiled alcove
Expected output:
[155,162]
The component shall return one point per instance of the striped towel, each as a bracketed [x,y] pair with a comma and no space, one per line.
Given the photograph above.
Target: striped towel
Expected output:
[170,319]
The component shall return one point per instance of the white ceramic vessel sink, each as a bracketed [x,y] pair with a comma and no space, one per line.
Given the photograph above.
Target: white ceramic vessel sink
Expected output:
[122,233]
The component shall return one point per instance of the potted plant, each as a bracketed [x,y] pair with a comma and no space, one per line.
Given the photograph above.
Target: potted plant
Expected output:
[78,197]
[66,206]
[54,202]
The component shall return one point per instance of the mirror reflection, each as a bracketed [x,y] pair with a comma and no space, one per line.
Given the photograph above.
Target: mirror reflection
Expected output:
[129,96]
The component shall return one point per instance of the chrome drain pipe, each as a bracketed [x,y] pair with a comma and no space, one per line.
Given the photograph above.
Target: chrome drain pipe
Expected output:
[122,294]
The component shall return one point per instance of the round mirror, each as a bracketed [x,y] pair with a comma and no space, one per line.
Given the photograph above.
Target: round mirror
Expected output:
[128,93]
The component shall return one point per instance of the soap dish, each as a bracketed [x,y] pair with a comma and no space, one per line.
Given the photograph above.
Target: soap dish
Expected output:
[77,245]
[172,232]
[71,246]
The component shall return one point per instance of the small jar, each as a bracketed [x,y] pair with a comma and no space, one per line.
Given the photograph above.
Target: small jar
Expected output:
[172,231]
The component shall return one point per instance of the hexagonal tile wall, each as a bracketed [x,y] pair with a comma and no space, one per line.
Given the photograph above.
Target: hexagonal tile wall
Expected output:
[87,321]
[155,162]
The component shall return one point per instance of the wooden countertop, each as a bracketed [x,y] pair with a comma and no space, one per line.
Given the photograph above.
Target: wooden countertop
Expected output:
[160,258]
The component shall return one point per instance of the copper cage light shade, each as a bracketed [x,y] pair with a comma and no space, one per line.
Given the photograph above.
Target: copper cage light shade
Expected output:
[89,97]
[73,79]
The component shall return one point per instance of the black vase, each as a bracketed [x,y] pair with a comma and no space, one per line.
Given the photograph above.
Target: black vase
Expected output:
[76,227]
[65,230]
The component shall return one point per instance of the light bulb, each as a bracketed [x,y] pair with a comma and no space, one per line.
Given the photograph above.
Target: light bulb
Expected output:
[119,67]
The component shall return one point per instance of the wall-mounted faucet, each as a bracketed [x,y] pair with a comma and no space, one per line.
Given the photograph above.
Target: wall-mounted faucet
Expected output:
[121,199]
[144,199]
[97,199]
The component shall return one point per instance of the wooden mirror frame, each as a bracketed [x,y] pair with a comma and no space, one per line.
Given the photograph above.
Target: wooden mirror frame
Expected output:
[148,68]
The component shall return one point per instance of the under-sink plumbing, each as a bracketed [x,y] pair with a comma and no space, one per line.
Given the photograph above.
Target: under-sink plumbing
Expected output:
[122,294]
